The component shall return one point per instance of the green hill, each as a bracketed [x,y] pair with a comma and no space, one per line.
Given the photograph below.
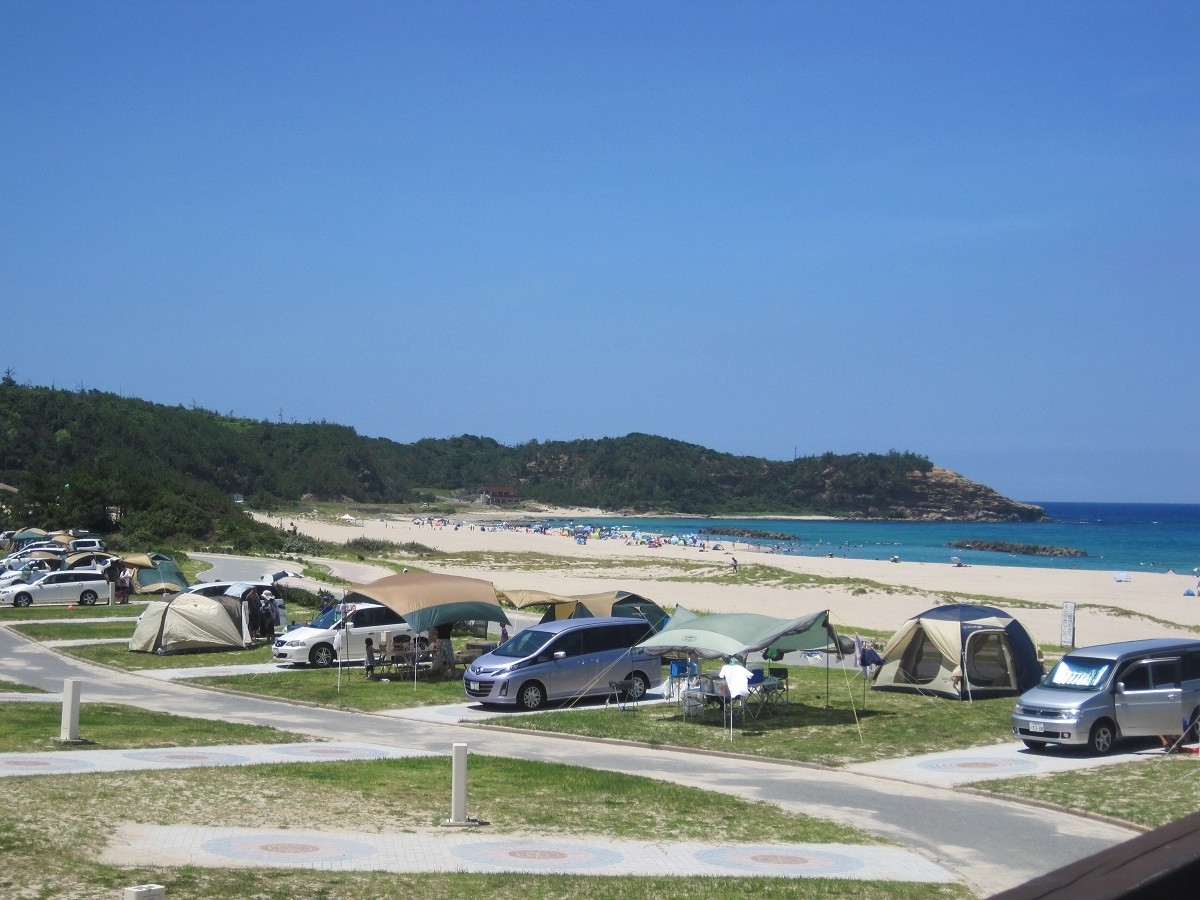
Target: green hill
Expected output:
[85,457]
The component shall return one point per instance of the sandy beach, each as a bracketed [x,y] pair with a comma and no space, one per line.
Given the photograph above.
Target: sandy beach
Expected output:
[1150,605]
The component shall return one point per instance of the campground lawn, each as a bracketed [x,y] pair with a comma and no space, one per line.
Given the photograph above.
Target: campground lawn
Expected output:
[9,615]
[119,656]
[1148,793]
[56,855]
[322,686]
[32,727]
[851,728]
[81,631]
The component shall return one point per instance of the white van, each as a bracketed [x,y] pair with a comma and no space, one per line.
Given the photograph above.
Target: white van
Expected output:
[564,660]
[327,637]
[1097,695]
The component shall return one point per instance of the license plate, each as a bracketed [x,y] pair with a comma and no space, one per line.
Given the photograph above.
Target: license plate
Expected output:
[1037,727]
[472,685]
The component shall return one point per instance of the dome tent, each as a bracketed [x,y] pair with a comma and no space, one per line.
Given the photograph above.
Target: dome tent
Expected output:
[186,622]
[960,651]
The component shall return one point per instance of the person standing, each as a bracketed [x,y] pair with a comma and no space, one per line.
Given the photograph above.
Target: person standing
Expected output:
[734,564]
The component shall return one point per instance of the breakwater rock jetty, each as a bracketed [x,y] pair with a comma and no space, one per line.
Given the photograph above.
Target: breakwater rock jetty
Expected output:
[1019,549]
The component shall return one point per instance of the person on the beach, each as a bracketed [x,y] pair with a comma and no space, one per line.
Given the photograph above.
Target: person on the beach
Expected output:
[734,564]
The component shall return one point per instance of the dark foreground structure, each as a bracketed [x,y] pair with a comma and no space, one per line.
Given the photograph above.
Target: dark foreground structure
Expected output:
[1160,864]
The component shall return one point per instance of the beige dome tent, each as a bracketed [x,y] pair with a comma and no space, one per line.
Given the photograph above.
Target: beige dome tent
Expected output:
[191,622]
[960,651]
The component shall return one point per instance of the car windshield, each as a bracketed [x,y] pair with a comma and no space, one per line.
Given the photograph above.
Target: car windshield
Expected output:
[1078,674]
[327,619]
[525,643]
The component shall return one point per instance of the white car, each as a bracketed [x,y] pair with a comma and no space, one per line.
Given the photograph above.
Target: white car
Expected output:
[73,586]
[321,642]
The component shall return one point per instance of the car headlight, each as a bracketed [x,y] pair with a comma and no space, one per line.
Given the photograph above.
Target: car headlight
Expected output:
[1019,710]
[294,644]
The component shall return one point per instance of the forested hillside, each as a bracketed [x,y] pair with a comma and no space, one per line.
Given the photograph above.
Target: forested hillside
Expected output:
[76,455]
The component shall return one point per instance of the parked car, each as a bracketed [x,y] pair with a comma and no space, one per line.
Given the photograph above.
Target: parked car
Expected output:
[327,637]
[83,545]
[564,660]
[73,586]
[22,575]
[1097,695]
[218,589]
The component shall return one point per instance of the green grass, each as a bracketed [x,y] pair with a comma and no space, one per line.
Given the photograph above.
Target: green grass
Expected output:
[121,657]
[13,687]
[890,725]
[321,686]
[101,610]
[66,630]
[30,727]
[1145,793]
[55,855]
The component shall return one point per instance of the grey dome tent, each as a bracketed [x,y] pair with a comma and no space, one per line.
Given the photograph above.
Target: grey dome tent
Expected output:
[960,651]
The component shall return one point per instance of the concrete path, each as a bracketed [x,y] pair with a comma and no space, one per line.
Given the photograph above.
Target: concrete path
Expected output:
[955,767]
[991,843]
[473,850]
[62,762]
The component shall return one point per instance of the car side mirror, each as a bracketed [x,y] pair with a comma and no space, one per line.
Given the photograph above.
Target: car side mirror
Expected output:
[1120,687]
[560,654]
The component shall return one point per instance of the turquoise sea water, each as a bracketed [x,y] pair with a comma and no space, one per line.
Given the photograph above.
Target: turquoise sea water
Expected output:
[1117,536]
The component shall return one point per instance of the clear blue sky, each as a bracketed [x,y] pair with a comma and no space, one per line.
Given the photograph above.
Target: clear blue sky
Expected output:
[966,230]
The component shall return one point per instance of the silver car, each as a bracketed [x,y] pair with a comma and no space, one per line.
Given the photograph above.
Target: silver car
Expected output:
[1097,695]
[564,660]
[73,586]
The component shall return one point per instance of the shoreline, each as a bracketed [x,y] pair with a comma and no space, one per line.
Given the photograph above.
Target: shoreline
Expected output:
[876,595]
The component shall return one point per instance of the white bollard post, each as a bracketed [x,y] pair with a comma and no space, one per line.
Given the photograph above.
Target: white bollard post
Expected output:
[69,733]
[112,592]
[146,892]
[458,802]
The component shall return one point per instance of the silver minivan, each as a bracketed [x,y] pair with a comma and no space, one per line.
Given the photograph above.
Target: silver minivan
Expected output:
[1097,695]
[565,660]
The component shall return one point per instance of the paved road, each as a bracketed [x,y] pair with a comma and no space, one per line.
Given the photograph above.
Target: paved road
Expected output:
[991,843]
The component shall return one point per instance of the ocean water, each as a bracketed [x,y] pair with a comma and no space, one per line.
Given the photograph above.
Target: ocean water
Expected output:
[1148,537]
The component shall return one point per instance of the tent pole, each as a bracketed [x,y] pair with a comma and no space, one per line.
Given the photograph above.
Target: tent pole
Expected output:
[827,679]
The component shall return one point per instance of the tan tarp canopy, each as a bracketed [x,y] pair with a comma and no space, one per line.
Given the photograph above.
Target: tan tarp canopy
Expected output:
[427,600]
[575,606]
[190,622]
[87,557]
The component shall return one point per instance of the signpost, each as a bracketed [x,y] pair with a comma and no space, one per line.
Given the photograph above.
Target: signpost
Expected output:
[1066,633]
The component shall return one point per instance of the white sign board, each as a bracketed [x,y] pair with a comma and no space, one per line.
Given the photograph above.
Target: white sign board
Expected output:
[1066,633]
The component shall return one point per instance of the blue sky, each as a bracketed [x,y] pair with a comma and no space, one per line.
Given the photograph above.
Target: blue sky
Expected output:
[965,230]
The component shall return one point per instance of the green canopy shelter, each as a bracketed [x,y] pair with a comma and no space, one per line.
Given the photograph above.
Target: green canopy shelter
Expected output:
[739,634]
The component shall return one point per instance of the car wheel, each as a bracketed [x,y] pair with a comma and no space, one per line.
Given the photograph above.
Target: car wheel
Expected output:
[87,598]
[1193,731]
[1034,745]
[640,684]
[1102,737]
[321,656]
[531,696]
[22,600]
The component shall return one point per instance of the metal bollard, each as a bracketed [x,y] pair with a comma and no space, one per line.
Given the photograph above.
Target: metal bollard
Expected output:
[69,733]
[112,592]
